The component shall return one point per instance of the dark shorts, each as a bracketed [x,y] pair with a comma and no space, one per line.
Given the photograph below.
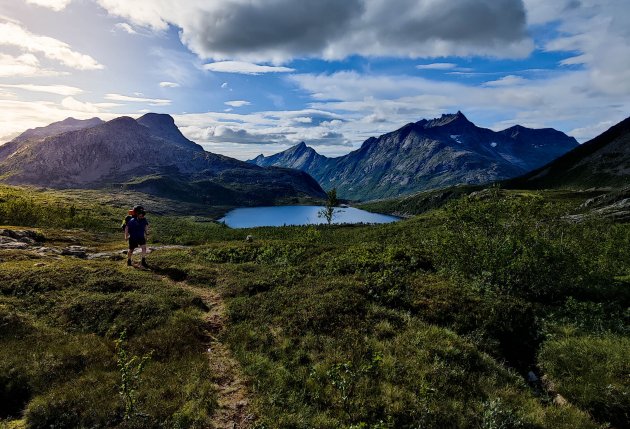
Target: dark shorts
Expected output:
[135,242]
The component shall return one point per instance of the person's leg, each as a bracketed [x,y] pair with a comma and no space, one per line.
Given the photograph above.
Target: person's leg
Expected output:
[144,254]
[132,246]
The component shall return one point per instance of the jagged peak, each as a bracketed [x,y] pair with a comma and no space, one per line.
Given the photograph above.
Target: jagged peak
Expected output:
[445,119]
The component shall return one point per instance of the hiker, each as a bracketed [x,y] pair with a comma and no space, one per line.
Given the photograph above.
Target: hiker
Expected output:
[136,232]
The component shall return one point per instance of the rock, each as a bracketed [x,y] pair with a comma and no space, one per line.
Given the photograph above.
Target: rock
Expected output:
[559,400]
[102,255]
[531,377]
[76,251]
[25,236]
[40,264]
[13,245]
[249,238]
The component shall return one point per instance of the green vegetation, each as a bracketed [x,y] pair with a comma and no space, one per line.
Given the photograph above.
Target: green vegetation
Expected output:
[330,208]
[430,322]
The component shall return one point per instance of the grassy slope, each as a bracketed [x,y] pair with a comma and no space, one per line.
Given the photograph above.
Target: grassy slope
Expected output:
[388,326]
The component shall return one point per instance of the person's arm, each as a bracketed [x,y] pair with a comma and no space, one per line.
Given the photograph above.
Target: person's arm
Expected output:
[126,232]
[146,230]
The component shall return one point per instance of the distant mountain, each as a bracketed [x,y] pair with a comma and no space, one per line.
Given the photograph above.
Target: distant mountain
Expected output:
[603,162]
[149,155]
[428,154]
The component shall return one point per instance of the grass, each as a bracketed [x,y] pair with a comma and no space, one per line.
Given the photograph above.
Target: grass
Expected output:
[429,322]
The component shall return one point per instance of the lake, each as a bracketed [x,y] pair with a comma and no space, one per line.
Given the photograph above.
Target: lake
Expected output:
[251,217]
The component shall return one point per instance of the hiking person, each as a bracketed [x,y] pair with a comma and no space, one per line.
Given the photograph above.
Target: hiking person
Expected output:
[136,232]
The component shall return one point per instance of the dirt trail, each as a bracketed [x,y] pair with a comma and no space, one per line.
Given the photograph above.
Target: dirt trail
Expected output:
[233,396]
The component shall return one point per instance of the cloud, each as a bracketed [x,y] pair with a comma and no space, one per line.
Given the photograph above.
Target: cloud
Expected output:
[237,103]
[244,68]
[19,115]
[509,80]
[169,85]
[224,85]
[55,5]
[12,34]
[52,89]
[71,103]
[278,31]
[254,131]
[126,28]
[25,65]
[436,66]
[596,33]
[151,101]
[373,104]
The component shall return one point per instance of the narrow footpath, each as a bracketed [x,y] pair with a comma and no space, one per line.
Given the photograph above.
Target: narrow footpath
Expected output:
[233,411]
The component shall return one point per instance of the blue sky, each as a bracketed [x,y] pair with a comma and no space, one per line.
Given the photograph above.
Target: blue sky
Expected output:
[257,76]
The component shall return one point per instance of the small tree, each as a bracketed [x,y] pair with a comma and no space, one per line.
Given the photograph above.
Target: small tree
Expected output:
[130,371]
[330,209]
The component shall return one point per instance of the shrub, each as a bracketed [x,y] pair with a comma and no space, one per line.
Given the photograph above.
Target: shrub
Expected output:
[593,373]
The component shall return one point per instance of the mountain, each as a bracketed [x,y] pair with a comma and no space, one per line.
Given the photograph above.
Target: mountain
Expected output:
[149,155]
[300,157]
[603,162]
[428,154]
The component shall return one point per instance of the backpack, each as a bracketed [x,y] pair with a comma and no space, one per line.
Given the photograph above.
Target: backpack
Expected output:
[126,220]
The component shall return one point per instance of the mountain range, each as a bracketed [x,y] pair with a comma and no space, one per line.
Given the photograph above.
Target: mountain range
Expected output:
[603,162]
[428,154]
[149,155]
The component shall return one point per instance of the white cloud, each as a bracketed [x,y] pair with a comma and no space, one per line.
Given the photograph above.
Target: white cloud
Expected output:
[373,104]
[19,115]
[281,30]
[224,85]
[73,104]
[150,101]
[126,28]
[52,89]
[169,85]
[25,65]
[237,103]
[55,5]
[12,34]
[244,68]
[252,132]
[436,66]
[509,80]
[597,31]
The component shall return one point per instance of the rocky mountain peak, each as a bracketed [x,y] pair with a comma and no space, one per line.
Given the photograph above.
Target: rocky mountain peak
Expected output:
[163,126]
[448,119]
[68,124]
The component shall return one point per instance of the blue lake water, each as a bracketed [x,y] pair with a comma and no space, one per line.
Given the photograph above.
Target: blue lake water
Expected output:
[251,217]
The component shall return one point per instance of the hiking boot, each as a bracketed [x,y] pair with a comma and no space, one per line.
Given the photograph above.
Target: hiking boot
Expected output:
[128,262]
[144,263]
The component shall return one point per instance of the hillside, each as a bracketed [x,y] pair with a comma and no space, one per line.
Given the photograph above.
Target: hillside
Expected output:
[148,155]
[434,322]
[428,154]
[603,162]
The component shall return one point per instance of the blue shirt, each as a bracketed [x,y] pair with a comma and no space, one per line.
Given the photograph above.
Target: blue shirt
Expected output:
[136,227]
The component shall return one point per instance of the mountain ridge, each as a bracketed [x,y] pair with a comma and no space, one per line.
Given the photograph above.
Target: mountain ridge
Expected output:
[601,162]
[149,155]
[427,154]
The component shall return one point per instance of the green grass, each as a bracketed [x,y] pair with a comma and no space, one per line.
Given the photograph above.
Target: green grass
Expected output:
[57,361]
[428,322]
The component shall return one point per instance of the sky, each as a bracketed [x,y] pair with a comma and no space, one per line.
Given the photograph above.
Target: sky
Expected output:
[244,77]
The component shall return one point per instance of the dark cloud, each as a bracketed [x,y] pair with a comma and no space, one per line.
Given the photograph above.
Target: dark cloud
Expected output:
[279,30]
[460,21]
[292,28]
